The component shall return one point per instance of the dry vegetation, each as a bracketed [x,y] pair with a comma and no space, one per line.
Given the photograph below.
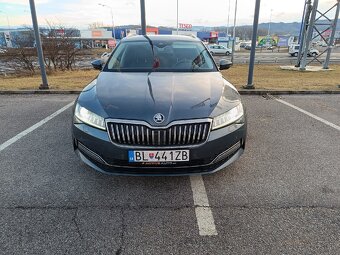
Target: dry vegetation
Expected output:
[68,80]
[265,77]
[272,77]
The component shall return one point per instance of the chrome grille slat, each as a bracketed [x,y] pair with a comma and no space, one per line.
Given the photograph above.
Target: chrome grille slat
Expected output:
[113,133]
[142,134]
[179,135]
[174,137]
[189,135]
[131,134]
[194,134]
[117,132]
[147,136]
[137,134]
[123,133]
[127,133]
[199,132]
[153,136]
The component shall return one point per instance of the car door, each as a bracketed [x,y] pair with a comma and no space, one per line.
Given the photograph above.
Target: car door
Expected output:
[220,50]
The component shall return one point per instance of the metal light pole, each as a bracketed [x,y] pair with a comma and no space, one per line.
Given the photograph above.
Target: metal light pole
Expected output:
[113,27]
[234,34]
[250,84]
[270,21]
[228,18]
[142,16]
[177,17]
[44,84]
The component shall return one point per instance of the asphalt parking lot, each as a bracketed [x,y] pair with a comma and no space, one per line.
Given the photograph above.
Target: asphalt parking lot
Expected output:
[281,197]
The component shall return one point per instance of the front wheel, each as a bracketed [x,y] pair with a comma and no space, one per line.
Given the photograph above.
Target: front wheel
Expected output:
[314,54]
[295,54]
[227,53]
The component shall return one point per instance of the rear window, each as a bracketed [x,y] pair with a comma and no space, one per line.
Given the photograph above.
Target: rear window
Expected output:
[160,56]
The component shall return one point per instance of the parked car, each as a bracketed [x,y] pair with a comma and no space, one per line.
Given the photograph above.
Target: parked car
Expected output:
[294,51]
[105,56]
[160,106]
[247,47]
[219,49]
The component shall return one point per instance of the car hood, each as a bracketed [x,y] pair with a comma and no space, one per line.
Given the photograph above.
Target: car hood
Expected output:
[178,96]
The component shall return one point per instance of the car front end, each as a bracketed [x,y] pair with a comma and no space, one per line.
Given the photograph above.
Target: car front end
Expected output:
[159,123]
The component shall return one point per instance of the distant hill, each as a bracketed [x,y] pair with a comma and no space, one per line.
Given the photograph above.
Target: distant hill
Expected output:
[281,28]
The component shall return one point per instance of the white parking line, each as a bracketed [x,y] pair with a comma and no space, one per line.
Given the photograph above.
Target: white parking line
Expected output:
[205,219]
[32,128]
[309,114]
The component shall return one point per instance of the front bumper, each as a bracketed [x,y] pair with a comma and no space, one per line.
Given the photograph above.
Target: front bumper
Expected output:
[222,147]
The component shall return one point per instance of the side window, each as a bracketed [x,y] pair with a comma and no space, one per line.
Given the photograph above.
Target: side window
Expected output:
[115,61]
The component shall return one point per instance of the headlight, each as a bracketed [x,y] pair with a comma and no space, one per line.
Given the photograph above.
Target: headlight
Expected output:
[227,118]
[89,118]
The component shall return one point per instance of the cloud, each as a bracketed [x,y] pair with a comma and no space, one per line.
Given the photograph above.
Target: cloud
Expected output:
[23,2]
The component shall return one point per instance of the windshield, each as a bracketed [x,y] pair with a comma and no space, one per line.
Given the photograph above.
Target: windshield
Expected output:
[160,56]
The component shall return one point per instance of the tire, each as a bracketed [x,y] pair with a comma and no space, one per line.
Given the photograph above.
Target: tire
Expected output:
[227,53]
[314,54]
[295,54]
[212,53]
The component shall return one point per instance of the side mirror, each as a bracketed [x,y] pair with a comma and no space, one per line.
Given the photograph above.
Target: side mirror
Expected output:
[97,64]
[225,64]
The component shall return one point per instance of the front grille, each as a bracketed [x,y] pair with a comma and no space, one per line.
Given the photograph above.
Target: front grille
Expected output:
[143,135]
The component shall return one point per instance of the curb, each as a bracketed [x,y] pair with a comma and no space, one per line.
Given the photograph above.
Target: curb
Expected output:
[241,91]
[288,92]
[38,92]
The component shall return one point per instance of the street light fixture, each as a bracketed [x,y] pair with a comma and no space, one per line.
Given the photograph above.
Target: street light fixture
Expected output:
[113,28]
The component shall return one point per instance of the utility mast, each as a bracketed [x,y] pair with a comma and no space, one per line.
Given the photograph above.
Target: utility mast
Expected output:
[317,24]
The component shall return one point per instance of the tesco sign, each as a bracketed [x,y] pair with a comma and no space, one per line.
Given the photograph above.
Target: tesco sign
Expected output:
[185,26]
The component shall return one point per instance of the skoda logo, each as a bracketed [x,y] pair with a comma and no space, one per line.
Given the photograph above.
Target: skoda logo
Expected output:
[158,118]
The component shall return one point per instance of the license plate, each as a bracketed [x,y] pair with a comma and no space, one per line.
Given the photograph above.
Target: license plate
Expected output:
[159,156]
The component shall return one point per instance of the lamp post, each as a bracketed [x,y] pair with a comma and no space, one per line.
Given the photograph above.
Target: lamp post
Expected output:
[177,17]
[113,27]
[44,84]
[142,16]
[228,18]
[234,34]
[250,84]
[270,21]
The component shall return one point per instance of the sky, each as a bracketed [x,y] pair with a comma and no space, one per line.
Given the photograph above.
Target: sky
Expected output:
[81,13]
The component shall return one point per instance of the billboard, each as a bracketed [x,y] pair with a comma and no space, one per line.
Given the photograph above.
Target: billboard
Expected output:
[265,41]
[285,41]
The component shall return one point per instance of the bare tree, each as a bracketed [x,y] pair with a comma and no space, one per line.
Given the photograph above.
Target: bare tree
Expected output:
[60,47]
[23,57]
